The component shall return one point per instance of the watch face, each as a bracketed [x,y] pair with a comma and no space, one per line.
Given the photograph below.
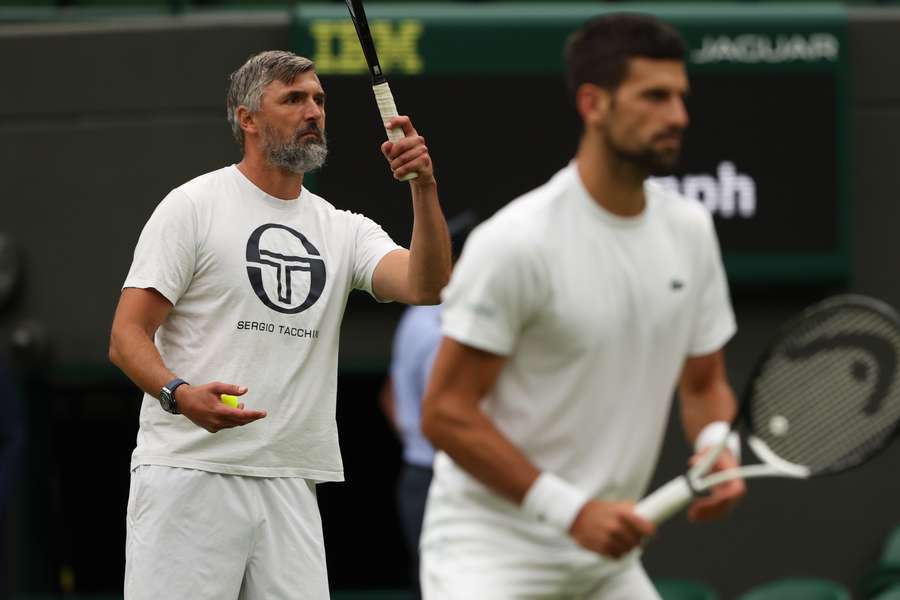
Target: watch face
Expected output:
[9,268]
[165,400]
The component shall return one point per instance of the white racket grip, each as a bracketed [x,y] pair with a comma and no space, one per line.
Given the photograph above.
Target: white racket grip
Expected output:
[665,501]
[385,101]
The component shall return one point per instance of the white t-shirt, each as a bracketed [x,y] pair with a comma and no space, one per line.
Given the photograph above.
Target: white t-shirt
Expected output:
[596,314]
[258,287]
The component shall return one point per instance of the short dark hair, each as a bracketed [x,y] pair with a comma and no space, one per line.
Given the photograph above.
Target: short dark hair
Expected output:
[598,52]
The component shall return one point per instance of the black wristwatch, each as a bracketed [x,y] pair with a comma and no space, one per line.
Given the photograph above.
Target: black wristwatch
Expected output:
[167,396]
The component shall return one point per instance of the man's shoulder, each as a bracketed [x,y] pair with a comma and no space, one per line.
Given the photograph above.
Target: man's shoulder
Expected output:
[327,210]
[210,178]
[525,220]
[207,185]
[318,200]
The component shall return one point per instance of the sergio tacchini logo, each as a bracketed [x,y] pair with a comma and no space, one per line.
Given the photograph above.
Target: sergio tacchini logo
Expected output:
[275,256]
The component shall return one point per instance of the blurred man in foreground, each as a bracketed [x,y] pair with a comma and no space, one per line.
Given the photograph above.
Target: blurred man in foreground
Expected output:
[572,315]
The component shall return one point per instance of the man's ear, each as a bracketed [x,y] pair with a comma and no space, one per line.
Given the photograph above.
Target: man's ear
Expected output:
[246,120]
[593,103]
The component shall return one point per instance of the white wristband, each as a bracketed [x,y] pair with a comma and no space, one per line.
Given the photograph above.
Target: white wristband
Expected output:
[554,501]
[712,434]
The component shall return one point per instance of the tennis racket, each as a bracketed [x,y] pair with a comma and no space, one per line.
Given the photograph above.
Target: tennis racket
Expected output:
[383,96]
[823,398]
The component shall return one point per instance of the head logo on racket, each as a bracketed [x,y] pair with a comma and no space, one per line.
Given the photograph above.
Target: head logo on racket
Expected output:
[878,348]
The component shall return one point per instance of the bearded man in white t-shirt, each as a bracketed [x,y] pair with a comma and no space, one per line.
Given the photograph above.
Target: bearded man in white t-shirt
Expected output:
[572,316]
[238,286]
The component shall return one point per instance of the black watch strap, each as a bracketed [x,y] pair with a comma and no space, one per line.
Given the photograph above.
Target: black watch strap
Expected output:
[167,395]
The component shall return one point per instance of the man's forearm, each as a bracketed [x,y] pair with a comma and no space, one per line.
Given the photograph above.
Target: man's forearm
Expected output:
[704,393]
[429,249]
[475,444]
[698,409]
[132,350]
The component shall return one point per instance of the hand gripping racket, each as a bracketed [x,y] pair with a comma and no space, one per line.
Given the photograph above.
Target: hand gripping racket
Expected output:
[383,96]
[824,397]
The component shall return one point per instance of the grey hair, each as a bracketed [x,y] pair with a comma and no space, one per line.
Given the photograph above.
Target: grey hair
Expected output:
[248,82]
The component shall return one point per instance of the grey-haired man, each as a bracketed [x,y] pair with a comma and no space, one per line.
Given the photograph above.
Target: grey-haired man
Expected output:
[241,276]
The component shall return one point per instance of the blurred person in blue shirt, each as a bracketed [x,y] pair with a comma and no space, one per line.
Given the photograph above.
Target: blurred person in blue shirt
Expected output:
[415,345]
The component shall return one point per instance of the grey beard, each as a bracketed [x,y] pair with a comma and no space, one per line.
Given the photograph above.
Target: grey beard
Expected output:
[296,155]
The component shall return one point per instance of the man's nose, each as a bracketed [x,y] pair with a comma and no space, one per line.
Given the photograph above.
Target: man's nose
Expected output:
[679,115]
[314,112]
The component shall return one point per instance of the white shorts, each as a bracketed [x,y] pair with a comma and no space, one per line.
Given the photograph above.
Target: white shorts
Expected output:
[504,575]
[475,544]
[195,535]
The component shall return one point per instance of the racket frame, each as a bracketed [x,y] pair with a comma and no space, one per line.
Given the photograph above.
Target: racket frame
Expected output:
[673,496]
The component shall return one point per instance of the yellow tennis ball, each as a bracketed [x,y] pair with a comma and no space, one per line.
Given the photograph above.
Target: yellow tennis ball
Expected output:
[229,400]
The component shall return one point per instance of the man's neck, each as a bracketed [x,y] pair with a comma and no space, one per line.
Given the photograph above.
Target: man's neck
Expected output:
[615,185]
[274,181]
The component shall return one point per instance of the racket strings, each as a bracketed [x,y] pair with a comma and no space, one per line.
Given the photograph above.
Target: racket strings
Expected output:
[850,377]
[828,395]
[835,424]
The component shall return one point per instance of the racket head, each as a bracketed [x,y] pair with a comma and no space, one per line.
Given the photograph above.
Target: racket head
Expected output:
[826,393]
[358,16]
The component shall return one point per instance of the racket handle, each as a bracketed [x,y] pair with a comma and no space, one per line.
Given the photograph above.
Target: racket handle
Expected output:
[665,501]
[388,110]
